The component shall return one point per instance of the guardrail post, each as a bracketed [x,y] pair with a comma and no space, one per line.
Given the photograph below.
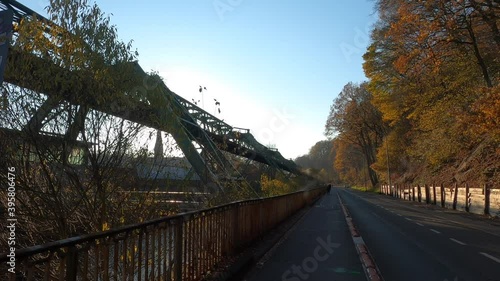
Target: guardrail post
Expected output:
[178,249]
[434,193]
[71,263]
[487,192]
[427,194]
[487,189]
[455,196]
[443,196]
[467,197]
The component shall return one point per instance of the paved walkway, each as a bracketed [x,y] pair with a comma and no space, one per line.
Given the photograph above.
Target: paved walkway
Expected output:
[318,248]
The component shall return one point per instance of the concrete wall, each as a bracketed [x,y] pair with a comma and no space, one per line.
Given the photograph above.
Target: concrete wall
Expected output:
[476,203]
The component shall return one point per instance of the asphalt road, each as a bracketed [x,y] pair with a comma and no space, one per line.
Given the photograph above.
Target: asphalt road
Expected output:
[318,248]
[414,241]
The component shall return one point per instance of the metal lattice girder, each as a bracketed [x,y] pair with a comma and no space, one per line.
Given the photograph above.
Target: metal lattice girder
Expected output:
[156,107]
[236,140]
[35,123]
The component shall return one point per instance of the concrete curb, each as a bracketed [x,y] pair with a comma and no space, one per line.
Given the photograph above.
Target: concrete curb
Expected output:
[370,267]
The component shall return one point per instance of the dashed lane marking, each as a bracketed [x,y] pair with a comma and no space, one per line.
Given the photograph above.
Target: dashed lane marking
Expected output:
[419,224]
[490,257]
[457,241]
[435,231]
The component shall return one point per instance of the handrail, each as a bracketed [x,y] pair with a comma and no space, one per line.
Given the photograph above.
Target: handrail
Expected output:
[180,247]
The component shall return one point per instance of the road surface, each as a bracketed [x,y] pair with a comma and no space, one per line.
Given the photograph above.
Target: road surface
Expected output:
[414,241]
[318,248]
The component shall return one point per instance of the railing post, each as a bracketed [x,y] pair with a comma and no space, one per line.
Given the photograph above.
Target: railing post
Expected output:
[443,196]
[467,197]
[427,194]
[178,249]
[487,189]
[71,263]
[434,193]
[455,196]
[487,192]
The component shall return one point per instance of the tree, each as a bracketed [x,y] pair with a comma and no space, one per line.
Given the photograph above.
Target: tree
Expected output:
[433,71]
[73,164]
[320,158]
[354,120]
[349,162]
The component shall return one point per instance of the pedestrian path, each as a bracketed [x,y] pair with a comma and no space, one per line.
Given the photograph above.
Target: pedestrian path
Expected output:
[318,248]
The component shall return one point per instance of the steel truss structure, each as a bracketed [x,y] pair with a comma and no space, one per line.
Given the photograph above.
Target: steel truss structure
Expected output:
[201,136]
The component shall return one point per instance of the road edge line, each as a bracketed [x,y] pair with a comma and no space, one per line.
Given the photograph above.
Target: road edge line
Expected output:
[370,267]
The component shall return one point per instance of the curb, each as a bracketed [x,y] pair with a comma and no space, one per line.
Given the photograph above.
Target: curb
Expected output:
[370,267]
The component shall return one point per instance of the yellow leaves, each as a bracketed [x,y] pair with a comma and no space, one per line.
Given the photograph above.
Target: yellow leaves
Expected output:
[105,226]
[273,187]
[486,114]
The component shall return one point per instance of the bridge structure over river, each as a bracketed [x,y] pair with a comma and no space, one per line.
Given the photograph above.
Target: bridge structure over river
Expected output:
[143,99]
[179,247]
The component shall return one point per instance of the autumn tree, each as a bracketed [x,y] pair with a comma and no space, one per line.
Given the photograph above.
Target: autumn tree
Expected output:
[355,121]
[433,69]
[349,163]
[73,163]
[319,161]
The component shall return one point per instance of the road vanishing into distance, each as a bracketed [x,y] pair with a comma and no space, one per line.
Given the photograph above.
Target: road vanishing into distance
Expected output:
[318,247]
[408,241]
[415,241]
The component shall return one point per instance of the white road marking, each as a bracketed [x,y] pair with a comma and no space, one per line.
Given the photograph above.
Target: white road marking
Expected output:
[400,215]
[456,241]
[419,224]
[408,219]
[490,257]
[435,231]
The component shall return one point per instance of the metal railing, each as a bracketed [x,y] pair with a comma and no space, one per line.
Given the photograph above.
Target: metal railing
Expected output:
[181,247]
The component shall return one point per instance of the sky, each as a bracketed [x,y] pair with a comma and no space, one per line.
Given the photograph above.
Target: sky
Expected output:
[275,66]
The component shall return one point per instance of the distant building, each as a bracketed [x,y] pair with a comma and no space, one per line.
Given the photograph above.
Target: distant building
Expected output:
[173,168]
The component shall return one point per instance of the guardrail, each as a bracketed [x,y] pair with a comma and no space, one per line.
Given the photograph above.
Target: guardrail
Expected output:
[485,200]
[182,247]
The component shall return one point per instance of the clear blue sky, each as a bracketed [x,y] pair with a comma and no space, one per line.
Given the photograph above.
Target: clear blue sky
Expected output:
[274,65]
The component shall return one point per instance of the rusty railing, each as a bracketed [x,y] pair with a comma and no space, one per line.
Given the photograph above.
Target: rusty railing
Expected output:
[181,247]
